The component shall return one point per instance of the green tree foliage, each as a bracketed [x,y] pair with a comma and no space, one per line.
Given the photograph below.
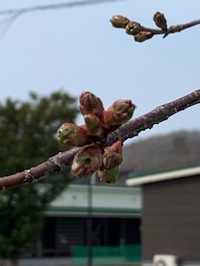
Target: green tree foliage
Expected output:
[27,133]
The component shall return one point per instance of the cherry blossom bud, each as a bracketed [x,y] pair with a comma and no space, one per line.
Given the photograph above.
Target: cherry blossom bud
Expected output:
[133,28]
[109,176]
[87,161]
[112,156]
[93,125]
[143,36]
[119,21]
[71,135]
[119,112]
[160,21]
[90,104]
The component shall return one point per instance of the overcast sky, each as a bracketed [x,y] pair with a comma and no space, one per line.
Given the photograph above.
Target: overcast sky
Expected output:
[77,49]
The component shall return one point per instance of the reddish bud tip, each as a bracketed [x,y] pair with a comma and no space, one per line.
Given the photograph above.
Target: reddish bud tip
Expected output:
[160,21]
[119,21]
[112,156]
[115,147]
[90,104]
[119,112]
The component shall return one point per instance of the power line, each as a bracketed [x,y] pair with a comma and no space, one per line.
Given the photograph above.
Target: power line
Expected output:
[13,14]
[54,6]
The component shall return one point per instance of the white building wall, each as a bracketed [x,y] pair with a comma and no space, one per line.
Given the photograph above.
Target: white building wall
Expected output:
[103,197]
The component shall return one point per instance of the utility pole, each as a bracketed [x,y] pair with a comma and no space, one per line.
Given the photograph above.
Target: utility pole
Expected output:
[91,182]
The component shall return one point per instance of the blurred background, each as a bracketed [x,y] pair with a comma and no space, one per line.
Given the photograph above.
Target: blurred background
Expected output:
[70,47]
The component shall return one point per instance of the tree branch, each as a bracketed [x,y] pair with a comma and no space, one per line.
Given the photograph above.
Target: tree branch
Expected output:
[181,27]
[57,163]
[133,127]
[142,33]
[52,166]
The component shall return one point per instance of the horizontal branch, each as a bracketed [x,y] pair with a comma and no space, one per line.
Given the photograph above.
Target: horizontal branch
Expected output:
[52,166]
[132,128]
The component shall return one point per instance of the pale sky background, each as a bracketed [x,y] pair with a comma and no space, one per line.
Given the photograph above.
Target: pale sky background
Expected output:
[77,49]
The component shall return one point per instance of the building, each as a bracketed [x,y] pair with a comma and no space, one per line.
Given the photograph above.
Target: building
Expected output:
[114,214]
[170,217]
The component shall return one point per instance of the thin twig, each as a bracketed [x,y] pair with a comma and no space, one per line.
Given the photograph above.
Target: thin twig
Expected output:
[57,163]
[154,31]
[173,28]
[140,32]
[179,28]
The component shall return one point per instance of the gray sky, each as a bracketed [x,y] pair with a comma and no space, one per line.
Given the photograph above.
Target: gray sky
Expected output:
[77,49]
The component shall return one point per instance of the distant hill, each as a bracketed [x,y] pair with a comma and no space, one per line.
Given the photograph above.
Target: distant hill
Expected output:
[163,152]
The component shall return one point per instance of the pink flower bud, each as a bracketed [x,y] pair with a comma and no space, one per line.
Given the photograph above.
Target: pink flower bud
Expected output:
[112,156]
[119,112]
[109,176]
[90,104]
[93,125]
[71,135]
[87,161]
[115,147]
[119,21]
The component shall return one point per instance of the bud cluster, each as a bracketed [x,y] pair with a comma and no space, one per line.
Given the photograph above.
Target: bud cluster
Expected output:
[139,32]
[92,136]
